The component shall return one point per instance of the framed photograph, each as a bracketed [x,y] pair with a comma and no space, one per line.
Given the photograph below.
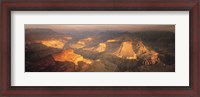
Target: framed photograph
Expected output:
[137,48]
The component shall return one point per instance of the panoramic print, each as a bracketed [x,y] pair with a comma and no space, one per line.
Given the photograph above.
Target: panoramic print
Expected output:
[99,48]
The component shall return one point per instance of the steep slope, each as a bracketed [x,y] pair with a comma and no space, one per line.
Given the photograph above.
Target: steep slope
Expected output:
[147,56]
[70,56]
[125,51]
[151,58]
[54,43]
[140,48]
[100,48]
[81,43]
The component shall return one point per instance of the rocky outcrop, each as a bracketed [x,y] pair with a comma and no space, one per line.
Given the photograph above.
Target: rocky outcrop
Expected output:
[54,43]
[112,40]
[141,49]
[100,48]
[150,58]
[81,43]
[125,51]
[70,56]
[147,56]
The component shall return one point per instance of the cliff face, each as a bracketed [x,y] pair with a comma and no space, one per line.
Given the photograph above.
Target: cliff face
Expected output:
[100,48]
[151,58]
[70,56]
[54,43]
[137,50]
[141,49]
[85,40]
[147,56]
[125,51]
[81,43]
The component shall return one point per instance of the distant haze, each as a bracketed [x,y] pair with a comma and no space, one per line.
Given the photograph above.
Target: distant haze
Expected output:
[125,27]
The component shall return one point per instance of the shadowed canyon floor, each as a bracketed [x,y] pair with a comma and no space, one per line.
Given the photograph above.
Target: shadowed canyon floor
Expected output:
[108,51]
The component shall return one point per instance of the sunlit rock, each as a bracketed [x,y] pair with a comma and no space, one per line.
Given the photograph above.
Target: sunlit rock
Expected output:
[151,58]
[81,43]
[126,51]
[68,55]
[112,40]
[141,49]
[100,48]
[54,43]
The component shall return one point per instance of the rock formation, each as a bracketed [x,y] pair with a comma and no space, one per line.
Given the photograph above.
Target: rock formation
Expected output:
[151,59]
[54,43]
[81,43]
[100,48]
[148,56]
[141,49]
[112,40]
[125,51]
[68,55]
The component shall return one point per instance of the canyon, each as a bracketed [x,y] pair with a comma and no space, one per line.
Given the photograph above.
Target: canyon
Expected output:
[104,52]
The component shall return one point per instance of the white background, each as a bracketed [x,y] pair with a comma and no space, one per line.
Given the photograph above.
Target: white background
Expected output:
[178,78]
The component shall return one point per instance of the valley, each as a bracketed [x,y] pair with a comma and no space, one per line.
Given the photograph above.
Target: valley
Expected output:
[106,51]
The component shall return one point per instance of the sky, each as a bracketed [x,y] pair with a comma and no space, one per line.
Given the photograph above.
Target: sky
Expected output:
[126,27]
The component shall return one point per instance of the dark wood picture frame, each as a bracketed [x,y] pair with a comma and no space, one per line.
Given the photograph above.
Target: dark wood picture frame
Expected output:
[193,90]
